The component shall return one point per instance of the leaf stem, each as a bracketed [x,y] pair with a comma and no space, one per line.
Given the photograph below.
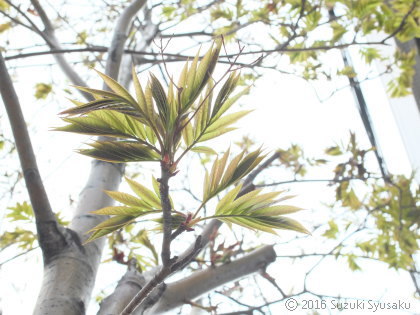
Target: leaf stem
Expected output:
[167,214]
[199,208]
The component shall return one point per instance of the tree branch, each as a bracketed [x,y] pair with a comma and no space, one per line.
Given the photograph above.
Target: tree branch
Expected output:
[50,238]
[116,49]
[131,282]
[330,181]
[186,57]
[53,43]
[206,280]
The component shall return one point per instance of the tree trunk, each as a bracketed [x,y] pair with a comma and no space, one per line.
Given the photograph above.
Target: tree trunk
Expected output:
[69,276]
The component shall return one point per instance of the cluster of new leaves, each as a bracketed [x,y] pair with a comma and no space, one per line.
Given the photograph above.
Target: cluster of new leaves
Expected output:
[396,209]
[393,204]
[21,236]
[223,175]
[257,211]
[24,238]
[406,62]
[144,203]
[252,210]
[305,29]
[186,111]
[293,158]
[353,168]
[155,117]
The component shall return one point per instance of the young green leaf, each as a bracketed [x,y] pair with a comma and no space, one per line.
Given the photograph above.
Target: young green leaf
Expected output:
[141,100]
[116,87]
[256,211]
[159,96]
[150,197]
[129,200]
[239,167]
[205,150]
[120,151]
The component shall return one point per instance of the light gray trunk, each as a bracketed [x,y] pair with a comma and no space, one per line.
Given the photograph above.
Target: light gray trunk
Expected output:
[69,276]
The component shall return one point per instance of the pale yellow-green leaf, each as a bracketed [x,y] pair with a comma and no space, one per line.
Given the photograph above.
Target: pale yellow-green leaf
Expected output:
[114,222]
[99,233]
[203,67]
[5,26]
[227,120]
[230,101]
[205,150]
[145,194]
[128,199]
[218,171]
[191,75]
[150,112]
[215,134]
[141,100]
[278,210]
[123,210]
[188,134]
[183,77]
[231,168]
[96,92]
[116,87]
[227,199]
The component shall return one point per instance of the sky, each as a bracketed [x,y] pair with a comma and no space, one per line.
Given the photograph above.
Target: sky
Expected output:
[287,110]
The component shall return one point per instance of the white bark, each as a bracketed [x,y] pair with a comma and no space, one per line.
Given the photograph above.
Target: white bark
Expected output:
[130,283]
[116,50]
[206,280]
[69,276]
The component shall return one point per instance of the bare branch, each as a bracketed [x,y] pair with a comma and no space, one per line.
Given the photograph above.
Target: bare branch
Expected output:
[17,256]
[50,237]
[329,181]
[181,57]
[206,280]
[53,43]
[132,281]
[116,49]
